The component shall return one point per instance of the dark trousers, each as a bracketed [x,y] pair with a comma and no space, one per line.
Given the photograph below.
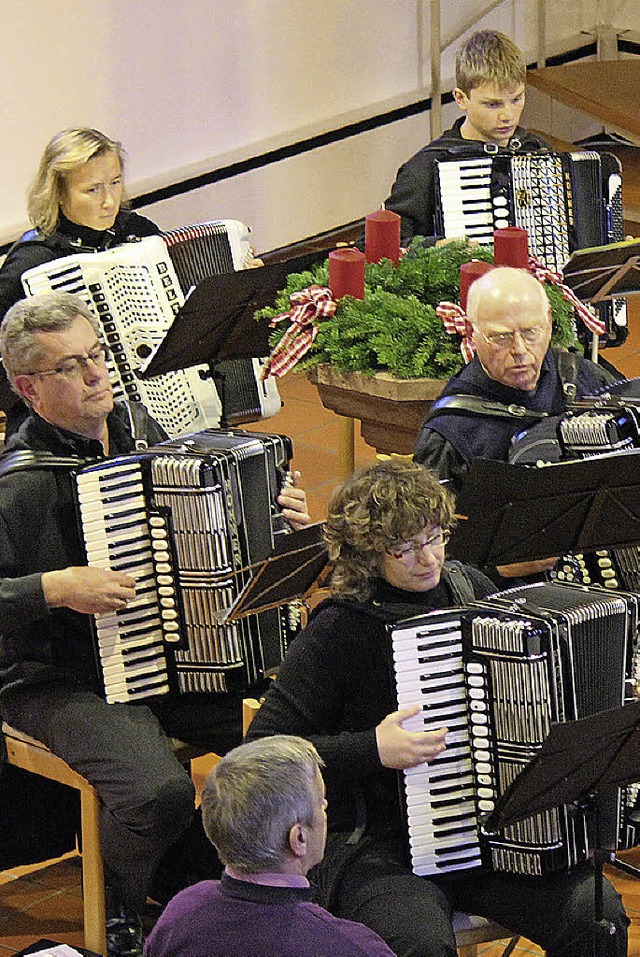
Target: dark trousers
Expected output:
[413,914]
[147,797]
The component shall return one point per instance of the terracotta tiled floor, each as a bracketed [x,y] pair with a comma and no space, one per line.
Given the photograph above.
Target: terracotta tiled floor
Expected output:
[46,902]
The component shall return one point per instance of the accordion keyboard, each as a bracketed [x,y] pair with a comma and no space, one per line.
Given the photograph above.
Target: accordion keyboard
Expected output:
[120,535]
[440,796]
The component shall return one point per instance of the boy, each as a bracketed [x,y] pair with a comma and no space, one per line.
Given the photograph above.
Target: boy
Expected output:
[490,91]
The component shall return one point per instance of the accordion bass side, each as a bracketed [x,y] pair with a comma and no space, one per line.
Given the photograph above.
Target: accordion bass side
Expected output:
[209,249]
[595,426]
[498,674]
[187,518]
[565,201]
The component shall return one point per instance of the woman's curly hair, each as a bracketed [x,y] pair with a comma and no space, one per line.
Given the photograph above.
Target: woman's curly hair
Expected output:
[376,507]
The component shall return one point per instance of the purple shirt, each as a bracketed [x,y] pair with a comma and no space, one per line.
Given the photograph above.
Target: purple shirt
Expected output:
[232,918]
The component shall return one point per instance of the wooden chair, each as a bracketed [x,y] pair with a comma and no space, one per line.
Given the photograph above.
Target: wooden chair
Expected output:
[25,752]
[470,930]
[29,754]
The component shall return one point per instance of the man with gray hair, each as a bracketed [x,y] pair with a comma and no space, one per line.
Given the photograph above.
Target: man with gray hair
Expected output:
[264,808]
[49,683]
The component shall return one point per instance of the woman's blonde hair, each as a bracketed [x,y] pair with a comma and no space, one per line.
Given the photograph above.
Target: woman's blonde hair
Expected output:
[67,151]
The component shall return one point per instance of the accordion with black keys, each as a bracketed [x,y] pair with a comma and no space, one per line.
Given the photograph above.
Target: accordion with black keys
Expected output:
[565,201]
[188,519]
[498,674]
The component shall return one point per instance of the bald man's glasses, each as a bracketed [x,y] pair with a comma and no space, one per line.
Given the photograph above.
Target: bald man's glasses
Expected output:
[506,340]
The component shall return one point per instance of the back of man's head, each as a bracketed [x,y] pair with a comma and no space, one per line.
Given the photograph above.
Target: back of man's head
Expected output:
[255,795]
[489,57]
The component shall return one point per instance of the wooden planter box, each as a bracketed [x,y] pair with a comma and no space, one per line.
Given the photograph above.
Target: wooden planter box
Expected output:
[390,410]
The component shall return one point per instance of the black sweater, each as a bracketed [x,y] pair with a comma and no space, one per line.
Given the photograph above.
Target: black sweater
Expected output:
[335,687]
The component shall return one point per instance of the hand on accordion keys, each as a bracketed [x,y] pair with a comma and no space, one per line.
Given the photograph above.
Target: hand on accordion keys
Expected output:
[293,501]
[87,589]
[401,749]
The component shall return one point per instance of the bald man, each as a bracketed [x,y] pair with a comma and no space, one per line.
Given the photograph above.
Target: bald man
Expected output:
[509,325]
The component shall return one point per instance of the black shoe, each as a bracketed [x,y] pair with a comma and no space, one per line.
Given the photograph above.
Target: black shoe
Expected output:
[124,935]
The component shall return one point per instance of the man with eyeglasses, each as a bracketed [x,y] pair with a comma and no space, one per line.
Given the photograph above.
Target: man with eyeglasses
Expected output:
[386,532]
[509,326]
[49,685]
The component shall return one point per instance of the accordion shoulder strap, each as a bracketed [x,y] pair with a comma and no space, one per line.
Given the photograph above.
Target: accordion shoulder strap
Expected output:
[23,459]
[476,405]
[139,423]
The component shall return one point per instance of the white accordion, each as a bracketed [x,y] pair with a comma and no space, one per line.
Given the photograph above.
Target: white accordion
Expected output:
[135,290]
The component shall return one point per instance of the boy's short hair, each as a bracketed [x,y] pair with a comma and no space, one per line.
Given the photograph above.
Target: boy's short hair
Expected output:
[489,57]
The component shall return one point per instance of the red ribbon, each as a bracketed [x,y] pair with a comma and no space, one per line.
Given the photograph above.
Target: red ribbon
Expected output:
[315,302]
[544,274]
[454,319]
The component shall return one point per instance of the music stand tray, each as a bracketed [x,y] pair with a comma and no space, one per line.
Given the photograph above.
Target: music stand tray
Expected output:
[604,272]
[217,320]
[516,513]
[578,761]
[297,560]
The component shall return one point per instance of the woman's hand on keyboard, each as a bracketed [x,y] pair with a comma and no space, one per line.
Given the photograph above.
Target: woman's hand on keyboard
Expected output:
[405,749]
[87,589]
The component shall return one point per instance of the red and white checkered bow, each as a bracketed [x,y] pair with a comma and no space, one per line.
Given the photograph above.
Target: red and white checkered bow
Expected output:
[544,274]
[454,319]
[315,302]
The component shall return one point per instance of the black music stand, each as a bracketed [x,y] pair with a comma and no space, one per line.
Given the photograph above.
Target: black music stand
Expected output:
[578,761]
[296,562]
[515,513]
[604,272]
[217,323]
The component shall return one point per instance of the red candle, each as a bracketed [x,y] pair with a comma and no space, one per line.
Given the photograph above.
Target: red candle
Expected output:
[511,247]
[469,272]
[346,273]
[382,236]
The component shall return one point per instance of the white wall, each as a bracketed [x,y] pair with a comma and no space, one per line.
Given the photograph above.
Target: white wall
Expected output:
[191,86]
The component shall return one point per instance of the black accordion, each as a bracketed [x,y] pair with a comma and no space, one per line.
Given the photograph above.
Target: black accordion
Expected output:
[565,201]
[595,426]
[498,674]
[188,519]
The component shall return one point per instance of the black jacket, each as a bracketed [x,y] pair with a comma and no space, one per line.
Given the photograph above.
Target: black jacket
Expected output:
[449,443]
[38,533]
[413,193]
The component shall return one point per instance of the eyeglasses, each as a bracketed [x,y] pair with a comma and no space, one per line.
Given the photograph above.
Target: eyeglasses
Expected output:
[410,551]
[74,365]
[505,340]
